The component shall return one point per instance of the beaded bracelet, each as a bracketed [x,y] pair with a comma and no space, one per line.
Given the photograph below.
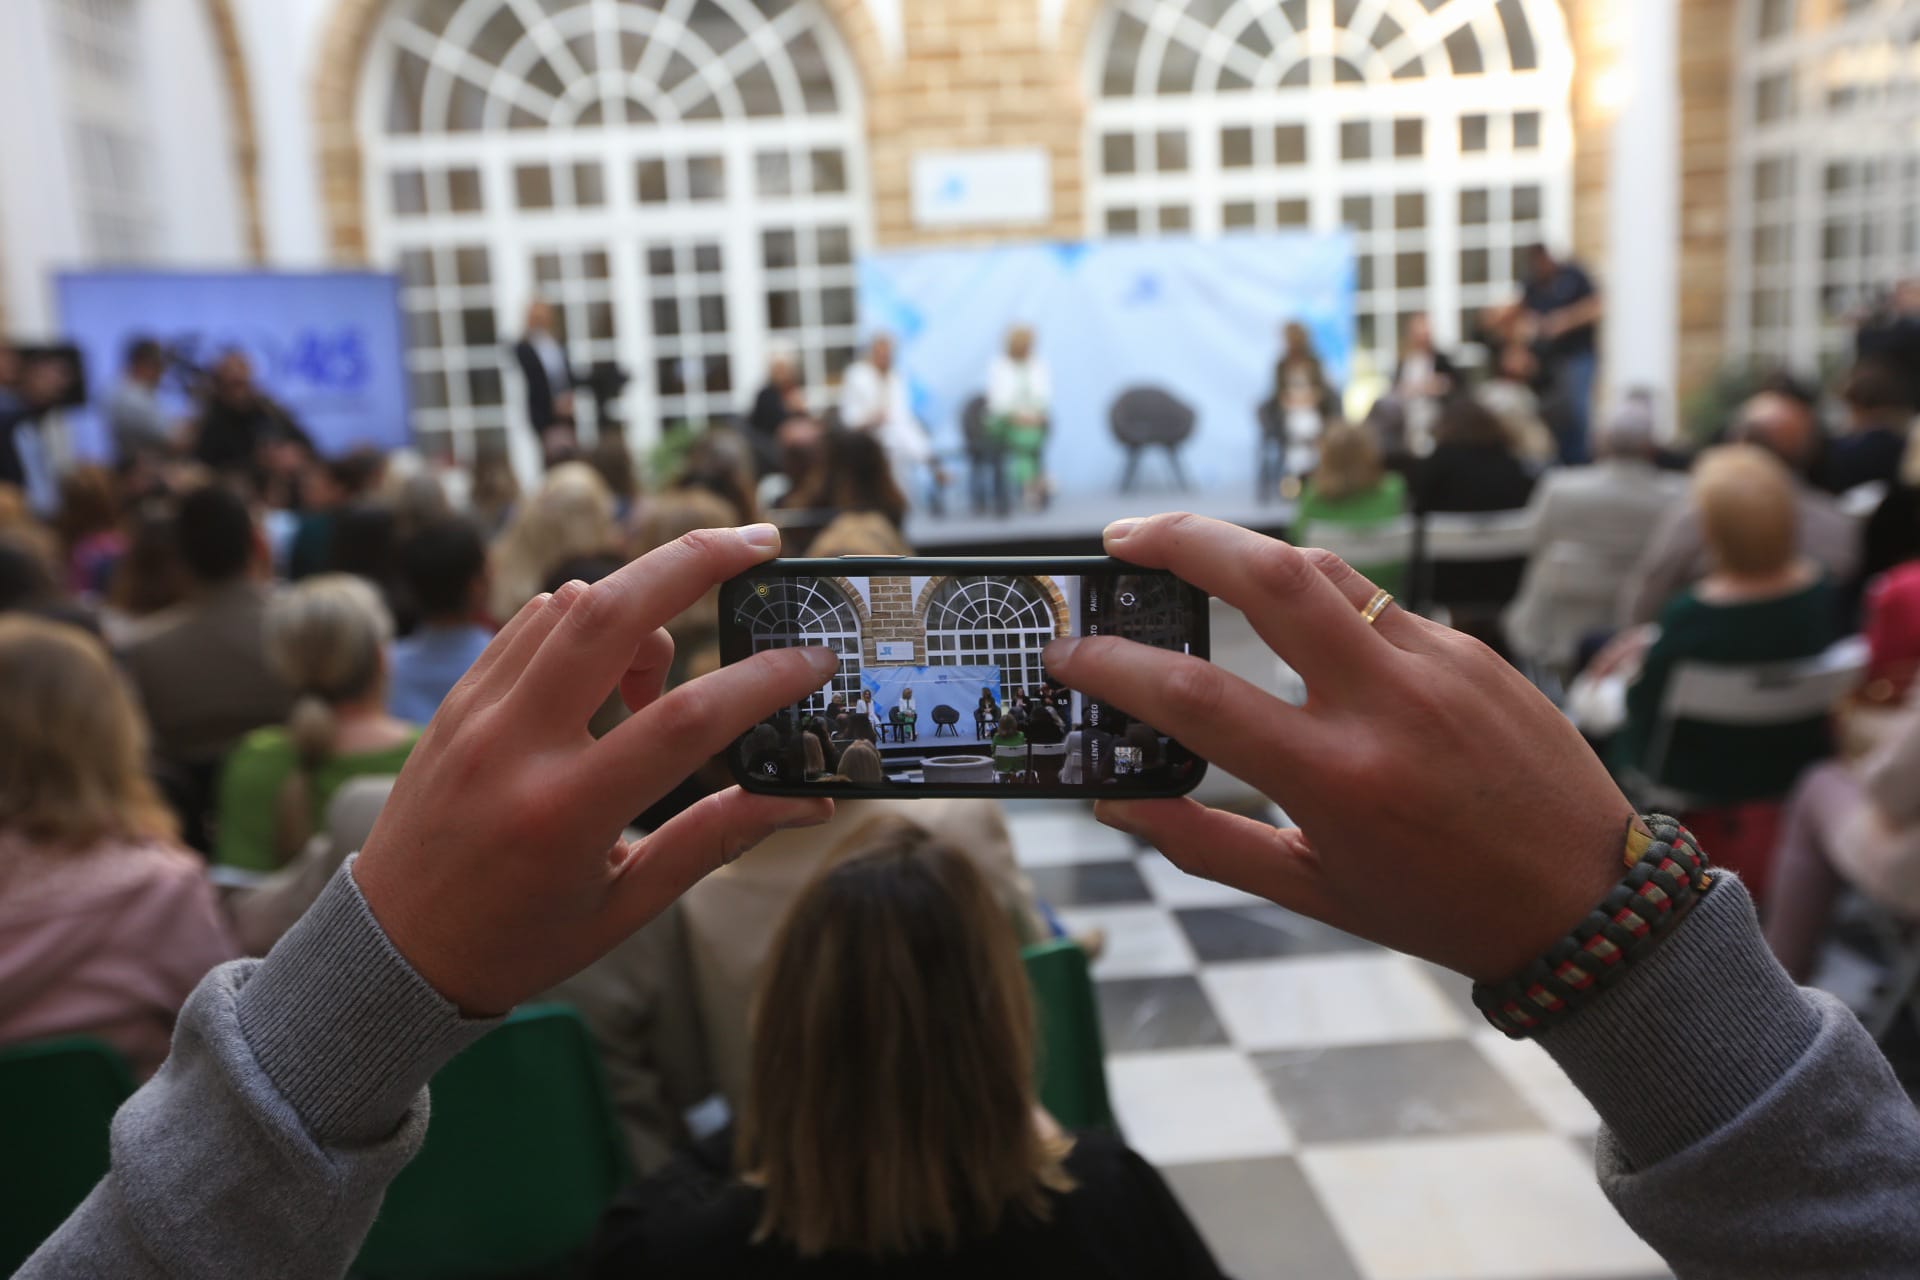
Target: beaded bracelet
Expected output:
[1666,874]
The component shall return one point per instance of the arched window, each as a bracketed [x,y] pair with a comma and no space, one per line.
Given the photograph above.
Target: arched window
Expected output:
[681,179]
[1436,130]
[1825,198]
[1003,622]
[786,613]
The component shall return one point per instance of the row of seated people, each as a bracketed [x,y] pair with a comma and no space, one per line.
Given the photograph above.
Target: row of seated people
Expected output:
[1639,570]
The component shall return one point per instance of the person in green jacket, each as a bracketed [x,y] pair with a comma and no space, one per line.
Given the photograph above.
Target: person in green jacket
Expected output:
[1009,747]
[1762,602]
[1351,488]
[327,638]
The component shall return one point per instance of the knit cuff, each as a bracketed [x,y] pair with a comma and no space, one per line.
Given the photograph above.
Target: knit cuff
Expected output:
[346,1030]
[1691,1035]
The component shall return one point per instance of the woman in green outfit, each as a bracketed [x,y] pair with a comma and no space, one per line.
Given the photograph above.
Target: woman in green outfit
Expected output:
[327,638]
[1019,397]
[1762,602]
[1350,488]
[1009,748]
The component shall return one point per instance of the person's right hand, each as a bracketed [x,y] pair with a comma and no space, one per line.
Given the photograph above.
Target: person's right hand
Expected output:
[1445,808]
[498,868]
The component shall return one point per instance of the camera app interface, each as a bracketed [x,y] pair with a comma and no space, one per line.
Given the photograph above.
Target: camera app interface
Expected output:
[941,682]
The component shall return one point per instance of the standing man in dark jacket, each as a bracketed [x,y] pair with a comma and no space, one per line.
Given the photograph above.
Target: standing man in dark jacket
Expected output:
[550,382]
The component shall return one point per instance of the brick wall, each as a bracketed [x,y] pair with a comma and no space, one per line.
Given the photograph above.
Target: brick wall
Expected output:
[1706,140]
[246,147]
[891,616]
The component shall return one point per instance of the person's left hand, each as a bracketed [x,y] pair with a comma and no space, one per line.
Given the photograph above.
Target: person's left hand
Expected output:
[498,866]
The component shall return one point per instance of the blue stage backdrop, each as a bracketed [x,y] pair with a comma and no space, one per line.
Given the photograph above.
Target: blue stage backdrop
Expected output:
[327,345]
[1200,319]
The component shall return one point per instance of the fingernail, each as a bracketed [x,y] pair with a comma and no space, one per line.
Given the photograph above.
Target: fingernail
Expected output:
[1057,655]
[824,661]
[1122,528]
[761,537]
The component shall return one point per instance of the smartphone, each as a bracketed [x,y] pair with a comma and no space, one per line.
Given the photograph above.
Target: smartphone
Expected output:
[941,691]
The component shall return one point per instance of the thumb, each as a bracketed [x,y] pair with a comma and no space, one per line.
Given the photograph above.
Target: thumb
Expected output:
[670,861]
[1275,863]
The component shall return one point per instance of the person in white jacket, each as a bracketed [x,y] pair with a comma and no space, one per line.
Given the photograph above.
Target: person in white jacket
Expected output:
[873,399]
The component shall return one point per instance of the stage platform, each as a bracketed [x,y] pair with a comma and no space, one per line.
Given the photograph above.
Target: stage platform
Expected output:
[1071,524]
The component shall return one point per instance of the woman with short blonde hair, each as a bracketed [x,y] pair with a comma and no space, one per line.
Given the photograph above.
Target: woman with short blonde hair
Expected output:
[891,1125]
[571,514]
[1747,509]
[106,923]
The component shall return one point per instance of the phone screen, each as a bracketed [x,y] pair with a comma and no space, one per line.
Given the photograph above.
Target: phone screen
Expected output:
[941,687]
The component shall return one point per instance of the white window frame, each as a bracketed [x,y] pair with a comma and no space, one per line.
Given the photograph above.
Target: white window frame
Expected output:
[1011,613]
[621,226]
[1869,45]
[1439,100]
[793,612]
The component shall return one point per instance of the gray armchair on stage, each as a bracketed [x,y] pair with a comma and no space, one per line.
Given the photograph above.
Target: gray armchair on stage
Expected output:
[944,720]
[1148,417]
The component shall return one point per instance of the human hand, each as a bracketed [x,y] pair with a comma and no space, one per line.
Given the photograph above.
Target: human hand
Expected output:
[497,868]
[1626,652]
[1445,808]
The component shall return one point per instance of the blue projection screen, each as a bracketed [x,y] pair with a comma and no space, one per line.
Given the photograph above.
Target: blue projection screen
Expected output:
[327,345]
[1200,319]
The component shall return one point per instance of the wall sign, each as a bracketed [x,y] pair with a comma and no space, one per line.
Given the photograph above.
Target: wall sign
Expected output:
[982,188]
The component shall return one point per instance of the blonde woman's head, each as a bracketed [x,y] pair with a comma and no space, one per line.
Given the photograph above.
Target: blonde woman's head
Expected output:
[571,514]
[1745,497]
[1349,462]
[73,747]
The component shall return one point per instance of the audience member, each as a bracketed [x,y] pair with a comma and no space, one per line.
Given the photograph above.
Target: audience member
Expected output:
[549,383]
[1019,409]
[1879,417]
[495,491]
[366,544]
[721,463]
[140,430]
[860,763]
[1761,602]
[780,424]
[1889,335]
[1508,393]
[327,637]
[149,577]
[1892,535]
[446,572]
[1473,466]
[1591,526]
[1848,823]
[201,666]
[570,514]
[1009,749]
[1892,628]
[874,401]
[415,491]
[1352,489]
[853,478]
[28,392]
[106,922]
[732,915]
[90,529]
[241,430]
[327,487]
[1782,423]
[895,1007]
[611,457]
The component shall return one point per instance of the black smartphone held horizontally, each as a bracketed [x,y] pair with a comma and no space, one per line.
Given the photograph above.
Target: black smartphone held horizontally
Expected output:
[941,691]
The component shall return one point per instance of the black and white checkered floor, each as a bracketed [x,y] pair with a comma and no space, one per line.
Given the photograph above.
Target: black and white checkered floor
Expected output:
[1325,1109]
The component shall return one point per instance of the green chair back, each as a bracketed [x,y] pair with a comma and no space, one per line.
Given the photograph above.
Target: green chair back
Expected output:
[1073,1061]
[522,1155]
[57,1100]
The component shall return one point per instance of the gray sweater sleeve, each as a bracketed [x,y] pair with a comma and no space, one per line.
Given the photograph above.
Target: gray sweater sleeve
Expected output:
[1752,1128]
[295,1091]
